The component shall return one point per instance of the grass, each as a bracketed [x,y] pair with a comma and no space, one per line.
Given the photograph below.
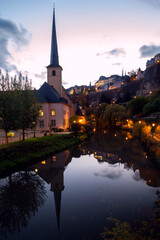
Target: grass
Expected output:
[21,152]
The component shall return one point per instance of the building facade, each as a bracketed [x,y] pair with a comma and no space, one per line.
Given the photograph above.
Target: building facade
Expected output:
[153,61]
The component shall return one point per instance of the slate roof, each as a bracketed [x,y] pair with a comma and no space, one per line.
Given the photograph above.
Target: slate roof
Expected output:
[48,94]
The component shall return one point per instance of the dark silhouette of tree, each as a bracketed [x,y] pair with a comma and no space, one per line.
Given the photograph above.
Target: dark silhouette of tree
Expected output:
[136,105]
[104,99]
[20,199]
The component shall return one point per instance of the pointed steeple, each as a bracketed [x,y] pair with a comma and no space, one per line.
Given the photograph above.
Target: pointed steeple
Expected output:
[54,61]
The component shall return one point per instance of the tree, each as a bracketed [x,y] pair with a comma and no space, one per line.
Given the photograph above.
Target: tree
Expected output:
[29,110]
[136,105]
[99,113]
[19,107]
[104,98]
[9,97]
[75,128]
[114,114]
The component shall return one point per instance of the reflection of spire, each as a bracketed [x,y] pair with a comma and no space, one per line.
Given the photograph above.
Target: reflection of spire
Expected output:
[57,186]
[57,199]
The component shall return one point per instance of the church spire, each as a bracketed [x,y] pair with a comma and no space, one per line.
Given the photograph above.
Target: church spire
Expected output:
[54,61]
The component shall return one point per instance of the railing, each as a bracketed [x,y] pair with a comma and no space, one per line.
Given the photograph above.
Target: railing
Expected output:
[19,136]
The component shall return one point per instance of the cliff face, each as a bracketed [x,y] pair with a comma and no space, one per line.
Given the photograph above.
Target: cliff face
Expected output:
[151,80]
[123,94]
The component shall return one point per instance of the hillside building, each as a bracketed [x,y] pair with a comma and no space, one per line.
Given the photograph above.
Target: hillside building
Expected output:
[153,61]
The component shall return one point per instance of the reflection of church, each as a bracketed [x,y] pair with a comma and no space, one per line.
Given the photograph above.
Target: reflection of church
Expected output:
[52,172]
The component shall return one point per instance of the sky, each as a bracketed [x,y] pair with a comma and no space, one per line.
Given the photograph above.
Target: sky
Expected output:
[95,37]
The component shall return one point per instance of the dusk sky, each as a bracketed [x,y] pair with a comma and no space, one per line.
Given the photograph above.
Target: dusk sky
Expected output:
[95,37]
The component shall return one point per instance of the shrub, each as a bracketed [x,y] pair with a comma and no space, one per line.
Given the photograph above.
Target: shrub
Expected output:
[146,130]
[136,105]
[157,130]
[137,129]
[75,128]
[88,128]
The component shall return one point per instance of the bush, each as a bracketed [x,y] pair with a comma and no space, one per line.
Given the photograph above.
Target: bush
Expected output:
[146,130]
[88,128]
[75,128]
[59,130]
[157,130]
[137,129]
[136,105]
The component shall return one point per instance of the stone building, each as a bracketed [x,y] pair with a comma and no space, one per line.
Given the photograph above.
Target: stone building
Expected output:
[57,107]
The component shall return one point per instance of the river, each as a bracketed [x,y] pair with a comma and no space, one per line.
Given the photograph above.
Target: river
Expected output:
[72,194]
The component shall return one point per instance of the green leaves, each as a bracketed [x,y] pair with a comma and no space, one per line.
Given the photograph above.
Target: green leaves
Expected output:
[19,106]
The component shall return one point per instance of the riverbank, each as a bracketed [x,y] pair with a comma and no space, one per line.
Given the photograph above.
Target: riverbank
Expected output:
[18,153]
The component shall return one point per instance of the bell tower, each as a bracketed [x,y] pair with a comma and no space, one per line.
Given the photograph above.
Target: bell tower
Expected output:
[54,70]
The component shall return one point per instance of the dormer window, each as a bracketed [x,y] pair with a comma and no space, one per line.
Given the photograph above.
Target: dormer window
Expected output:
[53,73]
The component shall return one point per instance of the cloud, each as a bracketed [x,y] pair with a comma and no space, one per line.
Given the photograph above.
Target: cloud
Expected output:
[11,33]
[149,50]
[114,52]
[136,176]
[42,75]
[154,3]
[116,64]
[64,83]
[117,52]
[110,173]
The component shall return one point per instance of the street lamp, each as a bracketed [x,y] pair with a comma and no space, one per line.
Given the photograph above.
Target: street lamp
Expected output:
[34,124]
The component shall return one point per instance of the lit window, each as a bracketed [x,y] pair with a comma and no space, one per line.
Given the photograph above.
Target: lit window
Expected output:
[41,113]
[53,112]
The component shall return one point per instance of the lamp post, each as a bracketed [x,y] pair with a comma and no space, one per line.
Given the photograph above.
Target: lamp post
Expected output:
[34,124]
[153,128]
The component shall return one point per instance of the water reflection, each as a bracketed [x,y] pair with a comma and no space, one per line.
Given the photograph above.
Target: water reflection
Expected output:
[52,172]
[113,148]
[21,196]
[115,161]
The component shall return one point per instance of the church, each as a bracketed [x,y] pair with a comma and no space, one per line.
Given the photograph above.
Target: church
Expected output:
[56,106]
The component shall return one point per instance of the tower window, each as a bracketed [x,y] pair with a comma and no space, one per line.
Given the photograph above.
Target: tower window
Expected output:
[53,73]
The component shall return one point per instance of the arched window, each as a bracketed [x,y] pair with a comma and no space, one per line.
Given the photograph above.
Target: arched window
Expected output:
[41,113]
[53,73]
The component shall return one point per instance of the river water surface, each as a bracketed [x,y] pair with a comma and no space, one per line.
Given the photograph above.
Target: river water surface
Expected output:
[72,194]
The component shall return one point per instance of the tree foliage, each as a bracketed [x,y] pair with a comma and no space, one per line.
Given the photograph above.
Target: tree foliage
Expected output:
[114,114]
[18,104]
[136,105]
[109,115]
[144,230]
